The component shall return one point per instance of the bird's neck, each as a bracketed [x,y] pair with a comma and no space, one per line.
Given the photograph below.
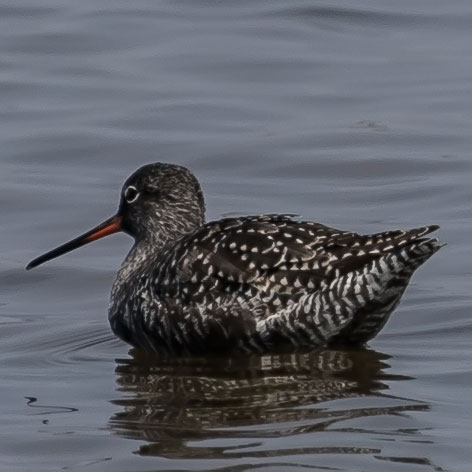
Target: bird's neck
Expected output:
[148,250]
[137,259]
[127,284]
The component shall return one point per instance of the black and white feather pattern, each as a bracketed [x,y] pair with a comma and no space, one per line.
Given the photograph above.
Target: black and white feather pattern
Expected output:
[268,282]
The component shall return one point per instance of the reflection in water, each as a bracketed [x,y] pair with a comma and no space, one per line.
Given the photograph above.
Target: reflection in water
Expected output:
[173,404]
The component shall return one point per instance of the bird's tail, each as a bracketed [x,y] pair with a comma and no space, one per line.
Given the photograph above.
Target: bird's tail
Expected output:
[412,251]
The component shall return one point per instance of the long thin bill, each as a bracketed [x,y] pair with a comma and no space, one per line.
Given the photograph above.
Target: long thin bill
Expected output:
[110,226]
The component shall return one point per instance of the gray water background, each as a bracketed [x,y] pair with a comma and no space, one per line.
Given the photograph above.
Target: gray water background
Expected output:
[355,114]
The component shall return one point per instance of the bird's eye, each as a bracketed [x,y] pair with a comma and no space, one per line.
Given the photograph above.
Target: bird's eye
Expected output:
[131,194]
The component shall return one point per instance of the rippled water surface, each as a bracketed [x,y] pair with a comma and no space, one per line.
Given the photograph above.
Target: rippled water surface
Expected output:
[355,114]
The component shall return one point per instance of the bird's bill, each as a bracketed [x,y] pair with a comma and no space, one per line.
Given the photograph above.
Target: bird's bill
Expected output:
[110,226]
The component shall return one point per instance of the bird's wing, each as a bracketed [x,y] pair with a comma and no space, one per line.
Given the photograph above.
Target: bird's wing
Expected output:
[250,253]
[273,257]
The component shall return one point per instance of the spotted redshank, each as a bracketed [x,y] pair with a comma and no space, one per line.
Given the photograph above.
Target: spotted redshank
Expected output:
[249,284]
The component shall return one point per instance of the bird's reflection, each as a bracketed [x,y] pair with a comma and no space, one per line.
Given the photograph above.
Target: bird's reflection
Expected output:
[174,403]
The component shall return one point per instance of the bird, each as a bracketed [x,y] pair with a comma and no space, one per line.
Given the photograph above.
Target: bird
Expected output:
[251,284]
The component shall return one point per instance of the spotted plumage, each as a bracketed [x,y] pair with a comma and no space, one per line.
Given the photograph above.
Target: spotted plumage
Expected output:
[255,283]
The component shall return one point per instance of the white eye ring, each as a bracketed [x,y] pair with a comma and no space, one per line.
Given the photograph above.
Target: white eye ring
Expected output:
[131,194]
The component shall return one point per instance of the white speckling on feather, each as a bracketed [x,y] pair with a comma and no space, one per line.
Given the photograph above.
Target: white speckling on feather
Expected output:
[383,265]
[349,303]
[360,299]
[370,290]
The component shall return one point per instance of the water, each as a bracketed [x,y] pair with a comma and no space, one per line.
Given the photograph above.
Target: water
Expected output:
[355,114]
